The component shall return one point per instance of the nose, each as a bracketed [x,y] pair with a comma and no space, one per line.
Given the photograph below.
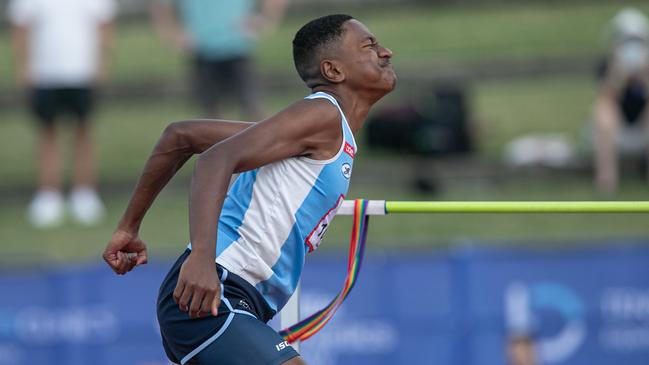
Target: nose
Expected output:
[385,52]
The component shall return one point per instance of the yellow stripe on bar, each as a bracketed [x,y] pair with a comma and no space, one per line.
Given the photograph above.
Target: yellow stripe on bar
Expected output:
[392,207]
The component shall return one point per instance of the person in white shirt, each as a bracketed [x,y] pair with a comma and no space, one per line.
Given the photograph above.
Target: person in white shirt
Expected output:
[62,50]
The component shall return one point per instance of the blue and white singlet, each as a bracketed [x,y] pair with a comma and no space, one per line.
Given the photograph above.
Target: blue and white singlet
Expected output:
[274,215]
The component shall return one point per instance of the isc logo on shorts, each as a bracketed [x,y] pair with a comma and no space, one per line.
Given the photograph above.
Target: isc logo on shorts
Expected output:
[281,346]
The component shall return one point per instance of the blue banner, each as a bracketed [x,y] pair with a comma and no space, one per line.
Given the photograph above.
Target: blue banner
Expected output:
[583,305]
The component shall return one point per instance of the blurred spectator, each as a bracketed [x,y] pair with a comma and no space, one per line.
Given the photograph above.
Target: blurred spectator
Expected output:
[61,50]
[621,125]
[521,351]
[520,347]
[219,38]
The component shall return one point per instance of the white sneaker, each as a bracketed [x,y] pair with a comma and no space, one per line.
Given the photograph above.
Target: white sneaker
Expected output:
[86,206]
[46,209]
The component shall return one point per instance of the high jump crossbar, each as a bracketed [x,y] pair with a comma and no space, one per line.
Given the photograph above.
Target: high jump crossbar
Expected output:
[382,207]
[291,312]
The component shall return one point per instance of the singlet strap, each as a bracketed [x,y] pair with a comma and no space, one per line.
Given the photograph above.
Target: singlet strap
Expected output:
[345,123]
[324,95]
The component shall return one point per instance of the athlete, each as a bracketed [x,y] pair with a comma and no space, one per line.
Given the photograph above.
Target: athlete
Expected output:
[294,170]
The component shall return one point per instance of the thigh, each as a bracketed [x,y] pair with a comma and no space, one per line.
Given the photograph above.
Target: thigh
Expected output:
[246,340]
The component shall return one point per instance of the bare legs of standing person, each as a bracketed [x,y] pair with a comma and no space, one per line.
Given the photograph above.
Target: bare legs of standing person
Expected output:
[607,129]
[84,202]
[47,209]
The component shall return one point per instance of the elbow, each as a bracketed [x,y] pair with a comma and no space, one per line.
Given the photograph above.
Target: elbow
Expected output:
[174,137]
[173,130]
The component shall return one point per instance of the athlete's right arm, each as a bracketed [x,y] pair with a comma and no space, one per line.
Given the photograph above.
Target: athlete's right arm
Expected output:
[178,142]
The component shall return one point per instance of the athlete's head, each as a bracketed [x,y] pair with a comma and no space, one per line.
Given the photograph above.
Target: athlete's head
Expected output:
[337,48]
[315,39]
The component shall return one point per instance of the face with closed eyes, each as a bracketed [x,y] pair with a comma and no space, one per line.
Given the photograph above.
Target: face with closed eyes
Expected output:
[364,64]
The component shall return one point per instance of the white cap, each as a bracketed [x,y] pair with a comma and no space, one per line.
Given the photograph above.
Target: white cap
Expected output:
[630,23]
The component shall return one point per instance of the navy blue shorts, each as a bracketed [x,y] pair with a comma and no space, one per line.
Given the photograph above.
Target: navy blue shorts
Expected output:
[50,103]
[237,335]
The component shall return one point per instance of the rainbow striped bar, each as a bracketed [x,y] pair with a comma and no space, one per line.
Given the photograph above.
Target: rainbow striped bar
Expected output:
[312,324]
[382,207]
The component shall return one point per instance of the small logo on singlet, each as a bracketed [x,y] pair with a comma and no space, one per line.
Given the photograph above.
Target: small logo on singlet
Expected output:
[282,345]
[346,169]
[349,150]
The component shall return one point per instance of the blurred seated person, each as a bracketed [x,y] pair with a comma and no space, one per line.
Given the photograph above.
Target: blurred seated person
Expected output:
[521,350]
[520,325]
[620,117]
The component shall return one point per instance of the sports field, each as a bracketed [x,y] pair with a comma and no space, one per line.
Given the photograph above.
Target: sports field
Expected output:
[425,40]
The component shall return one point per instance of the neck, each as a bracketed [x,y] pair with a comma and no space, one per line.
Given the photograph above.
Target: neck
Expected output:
[355,106]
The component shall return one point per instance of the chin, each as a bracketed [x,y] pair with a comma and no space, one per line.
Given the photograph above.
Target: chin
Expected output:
[391,84]
[394,83]
[391,78]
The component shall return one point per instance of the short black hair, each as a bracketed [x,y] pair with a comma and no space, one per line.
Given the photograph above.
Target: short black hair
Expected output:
[309,42]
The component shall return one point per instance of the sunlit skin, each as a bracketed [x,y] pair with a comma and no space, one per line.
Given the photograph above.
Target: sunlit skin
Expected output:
[357,72]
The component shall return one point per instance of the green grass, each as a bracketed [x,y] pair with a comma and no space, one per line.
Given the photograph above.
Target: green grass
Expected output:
[421,37]
[504,110]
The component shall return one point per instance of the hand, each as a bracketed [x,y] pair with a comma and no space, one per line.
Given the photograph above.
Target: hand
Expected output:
[199,283]
[125,251]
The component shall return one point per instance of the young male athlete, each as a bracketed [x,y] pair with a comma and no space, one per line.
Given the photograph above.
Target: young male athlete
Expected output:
[294,172]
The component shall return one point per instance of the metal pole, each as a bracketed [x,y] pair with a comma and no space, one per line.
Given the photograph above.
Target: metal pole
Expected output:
[290,314]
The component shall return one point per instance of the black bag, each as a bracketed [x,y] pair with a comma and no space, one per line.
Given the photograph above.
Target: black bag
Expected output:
[435,125]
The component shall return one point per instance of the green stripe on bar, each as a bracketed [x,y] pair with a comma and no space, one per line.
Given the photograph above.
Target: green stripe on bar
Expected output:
[392,207]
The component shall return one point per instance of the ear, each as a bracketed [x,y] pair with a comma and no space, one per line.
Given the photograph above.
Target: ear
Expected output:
[332,71]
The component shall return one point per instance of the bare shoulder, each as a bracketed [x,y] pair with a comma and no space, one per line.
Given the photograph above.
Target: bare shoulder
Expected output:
[305,118]
[318,112]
